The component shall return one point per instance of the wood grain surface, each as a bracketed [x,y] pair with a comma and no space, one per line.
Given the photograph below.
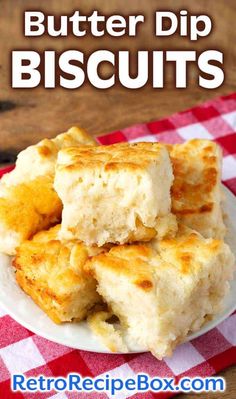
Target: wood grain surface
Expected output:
[26,116]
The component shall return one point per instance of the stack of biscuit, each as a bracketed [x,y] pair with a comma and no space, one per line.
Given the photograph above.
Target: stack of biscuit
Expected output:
[129,236]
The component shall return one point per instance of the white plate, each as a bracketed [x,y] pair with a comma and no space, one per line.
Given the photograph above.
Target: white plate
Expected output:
[79,336]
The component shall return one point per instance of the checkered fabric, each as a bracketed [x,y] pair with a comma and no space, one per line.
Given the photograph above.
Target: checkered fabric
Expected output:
[24,352]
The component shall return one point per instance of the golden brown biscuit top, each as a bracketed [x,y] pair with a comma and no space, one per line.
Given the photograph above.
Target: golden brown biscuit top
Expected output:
[25,204]
[60,266]
[128,260]
[111,157]
[74,136]
[188,248]
[185,254]
[48,148]
[196,168]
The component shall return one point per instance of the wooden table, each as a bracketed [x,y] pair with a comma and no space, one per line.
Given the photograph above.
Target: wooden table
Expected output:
[26,116]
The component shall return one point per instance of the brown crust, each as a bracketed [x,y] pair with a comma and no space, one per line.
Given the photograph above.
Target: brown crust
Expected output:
[192,211]
[42,298]
[112,157]
[53,274]
[44,151]
[138,262]
[196,168]
[146,285]
[30,207]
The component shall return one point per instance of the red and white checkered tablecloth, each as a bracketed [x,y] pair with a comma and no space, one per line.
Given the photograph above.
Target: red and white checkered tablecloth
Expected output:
[21,351]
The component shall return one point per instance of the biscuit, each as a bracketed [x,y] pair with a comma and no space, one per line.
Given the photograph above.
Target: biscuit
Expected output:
[108,333]
[196,192]
[27,208]
[28,201]
[52,274]
[118,193]
[39,159]
[164,290]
